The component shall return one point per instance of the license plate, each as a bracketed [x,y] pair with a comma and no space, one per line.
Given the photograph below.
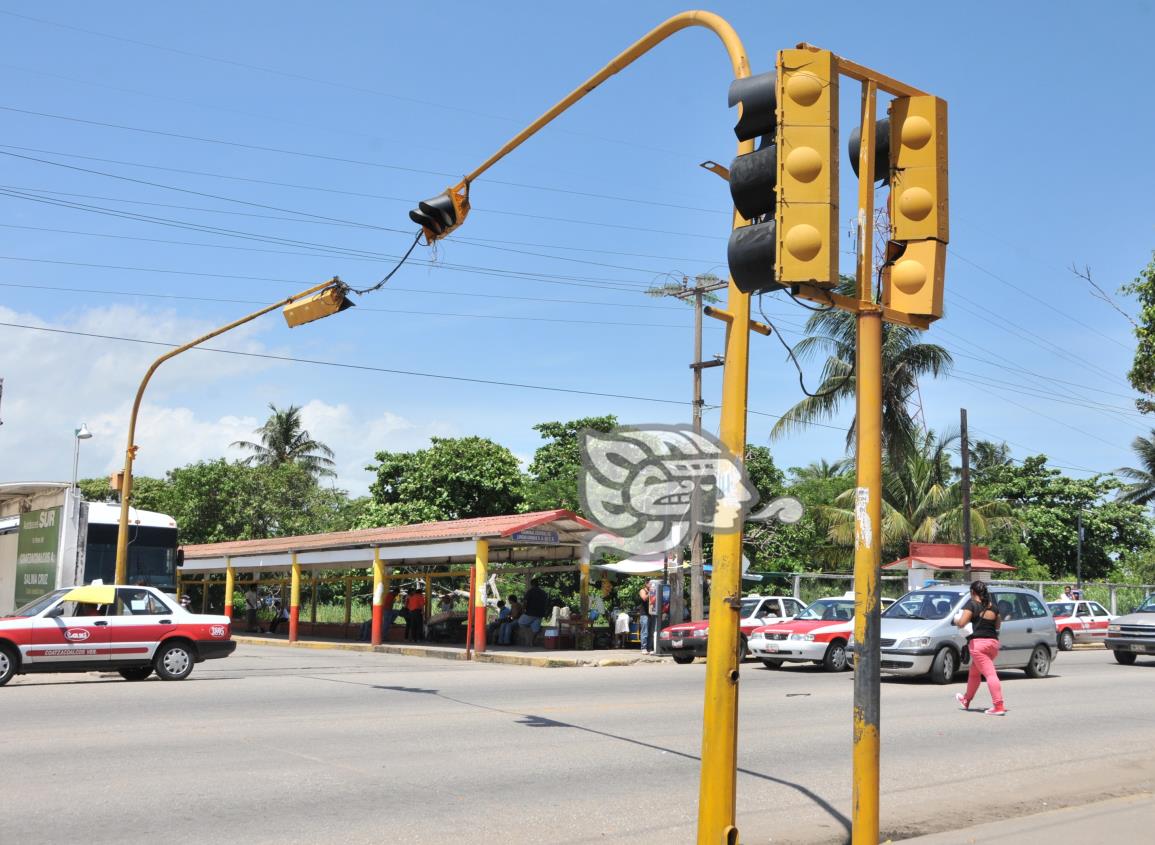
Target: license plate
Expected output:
[675,643]
[772,648]
[1138,648]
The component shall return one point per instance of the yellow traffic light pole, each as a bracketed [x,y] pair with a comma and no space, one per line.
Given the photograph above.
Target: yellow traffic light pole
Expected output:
[716,802]
[130,452]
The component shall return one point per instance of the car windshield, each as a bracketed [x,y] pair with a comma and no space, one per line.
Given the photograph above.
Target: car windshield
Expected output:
[1062,608]
[829,609]
[1147,606]
[36,605]
[923,604]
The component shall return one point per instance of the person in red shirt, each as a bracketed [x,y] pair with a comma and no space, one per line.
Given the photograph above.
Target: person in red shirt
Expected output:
[415,616]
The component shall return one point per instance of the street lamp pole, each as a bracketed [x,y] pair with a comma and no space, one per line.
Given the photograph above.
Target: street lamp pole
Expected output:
[79,434]
[333,284]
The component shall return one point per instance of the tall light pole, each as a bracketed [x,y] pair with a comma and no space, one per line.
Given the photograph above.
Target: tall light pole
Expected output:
[308,305]
[79,434]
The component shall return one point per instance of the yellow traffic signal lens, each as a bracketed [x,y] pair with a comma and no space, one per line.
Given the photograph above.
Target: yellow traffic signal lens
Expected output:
[908,276]
[803,241]
[804,164]
[804,89]
[916,132]
[916,203]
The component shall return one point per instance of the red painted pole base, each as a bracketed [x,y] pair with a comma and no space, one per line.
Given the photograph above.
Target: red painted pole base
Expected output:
[378,624]
[294,618]
[479,629]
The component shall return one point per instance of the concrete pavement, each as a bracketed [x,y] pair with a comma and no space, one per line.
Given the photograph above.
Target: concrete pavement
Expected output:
[507,654]
[1130,819]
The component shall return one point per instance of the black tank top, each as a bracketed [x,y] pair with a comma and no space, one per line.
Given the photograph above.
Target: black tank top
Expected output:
[984,629]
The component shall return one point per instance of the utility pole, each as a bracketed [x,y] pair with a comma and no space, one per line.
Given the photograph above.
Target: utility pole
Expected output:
[966,497]
[1079,555]
[702,286]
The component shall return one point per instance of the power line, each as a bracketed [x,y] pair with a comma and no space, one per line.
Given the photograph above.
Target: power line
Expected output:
[347,366]
[353,161]
[299,282]
[361,308]
[322,189]
[318,81]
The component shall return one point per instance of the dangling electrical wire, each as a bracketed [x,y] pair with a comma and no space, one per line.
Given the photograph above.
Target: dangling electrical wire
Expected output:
[789,351]
[389,275]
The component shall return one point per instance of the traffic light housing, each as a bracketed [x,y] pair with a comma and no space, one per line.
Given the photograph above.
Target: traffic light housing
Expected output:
[788,187]
[324,303]
[440,215]
[914,273]
[807,160]
[753,178]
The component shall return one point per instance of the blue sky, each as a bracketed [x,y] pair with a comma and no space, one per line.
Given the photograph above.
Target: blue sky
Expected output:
[319,127]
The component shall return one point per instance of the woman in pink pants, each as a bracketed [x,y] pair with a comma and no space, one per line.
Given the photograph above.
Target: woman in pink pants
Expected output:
[984,647]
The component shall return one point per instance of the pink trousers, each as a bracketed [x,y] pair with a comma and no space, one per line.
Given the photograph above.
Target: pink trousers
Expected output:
[983,654]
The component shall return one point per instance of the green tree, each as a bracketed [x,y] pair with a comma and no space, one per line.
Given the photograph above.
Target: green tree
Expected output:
[556,466]
[1142,373]
[219,500]
[147,493]
[921,502]
[1142,489]
[455,478]
[284,440]
[986,454]
[1048,505]
[905,359]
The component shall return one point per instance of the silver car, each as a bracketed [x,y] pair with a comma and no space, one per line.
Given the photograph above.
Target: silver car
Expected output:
[919,636]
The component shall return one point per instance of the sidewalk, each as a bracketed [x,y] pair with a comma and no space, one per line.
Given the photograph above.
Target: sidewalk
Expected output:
[512,655]
[1130,819]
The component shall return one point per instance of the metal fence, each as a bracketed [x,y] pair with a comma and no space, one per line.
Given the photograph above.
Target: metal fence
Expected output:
[808,586]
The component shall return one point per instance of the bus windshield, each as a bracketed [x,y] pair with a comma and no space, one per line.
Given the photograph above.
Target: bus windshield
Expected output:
[151,555]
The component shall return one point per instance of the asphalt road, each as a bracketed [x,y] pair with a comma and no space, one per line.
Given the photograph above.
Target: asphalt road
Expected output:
[276,745]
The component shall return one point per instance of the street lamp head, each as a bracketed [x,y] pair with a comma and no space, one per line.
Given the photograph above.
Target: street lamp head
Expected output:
[83,433]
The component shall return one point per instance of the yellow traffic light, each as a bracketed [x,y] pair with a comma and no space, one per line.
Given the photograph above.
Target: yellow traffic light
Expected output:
[439,216]
[331,300]
[806,217]
[913,282]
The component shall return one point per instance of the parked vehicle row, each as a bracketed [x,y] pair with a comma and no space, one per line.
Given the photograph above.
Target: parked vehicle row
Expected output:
[687,640]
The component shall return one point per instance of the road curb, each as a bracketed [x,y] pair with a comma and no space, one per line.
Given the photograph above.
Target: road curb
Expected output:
[541,661]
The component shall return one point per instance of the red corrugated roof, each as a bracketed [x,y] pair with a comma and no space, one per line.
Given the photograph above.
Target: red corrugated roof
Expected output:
[565,522]
[947,556]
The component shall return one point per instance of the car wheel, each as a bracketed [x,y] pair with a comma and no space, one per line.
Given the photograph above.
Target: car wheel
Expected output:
[174,661]
[771,664]
[743,647]
[1040,663]
[1124,657]
[683,659]
[7,664]
[835,659]
[136,673]
[944,666]
[1066,640]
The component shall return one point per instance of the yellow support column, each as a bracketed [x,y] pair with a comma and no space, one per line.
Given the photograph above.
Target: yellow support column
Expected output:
[481,572]
[867,503]
[295,600]
[584,562]
[378,597]
[230,576]
[718,782]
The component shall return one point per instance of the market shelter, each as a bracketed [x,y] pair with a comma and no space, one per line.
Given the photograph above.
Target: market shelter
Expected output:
[927,559]
[544,541]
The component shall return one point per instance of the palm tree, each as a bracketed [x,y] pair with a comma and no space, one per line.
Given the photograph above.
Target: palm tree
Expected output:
[284,441]
[822,470]
[921,501]
[904,361]
[1142,491]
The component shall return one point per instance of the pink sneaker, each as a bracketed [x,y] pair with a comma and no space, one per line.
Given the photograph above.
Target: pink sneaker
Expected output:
[996,711]
[963,704]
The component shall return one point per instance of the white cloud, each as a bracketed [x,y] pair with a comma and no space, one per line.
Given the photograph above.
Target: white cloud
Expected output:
[53,382]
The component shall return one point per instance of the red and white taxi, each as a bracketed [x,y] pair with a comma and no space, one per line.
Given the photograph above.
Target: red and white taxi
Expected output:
[688,640]
[132,630]
[1080,622]
[818,634]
